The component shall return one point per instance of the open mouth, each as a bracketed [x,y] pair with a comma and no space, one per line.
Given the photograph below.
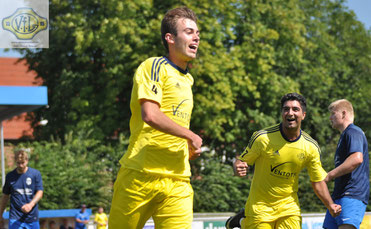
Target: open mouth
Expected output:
[193,47]
[291,119]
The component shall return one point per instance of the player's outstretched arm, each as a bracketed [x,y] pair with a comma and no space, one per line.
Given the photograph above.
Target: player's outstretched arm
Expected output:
[321,190]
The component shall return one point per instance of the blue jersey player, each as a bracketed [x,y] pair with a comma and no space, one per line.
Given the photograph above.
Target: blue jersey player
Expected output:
[23,186]
[351,172]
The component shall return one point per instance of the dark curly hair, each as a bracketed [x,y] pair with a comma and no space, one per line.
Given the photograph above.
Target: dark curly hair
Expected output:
[294,97]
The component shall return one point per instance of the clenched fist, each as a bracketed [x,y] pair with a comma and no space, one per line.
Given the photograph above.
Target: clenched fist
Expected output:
[240,168]
[193,154]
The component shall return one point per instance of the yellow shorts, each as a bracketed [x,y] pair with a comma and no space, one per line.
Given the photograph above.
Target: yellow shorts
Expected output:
[138,196]
[288,222]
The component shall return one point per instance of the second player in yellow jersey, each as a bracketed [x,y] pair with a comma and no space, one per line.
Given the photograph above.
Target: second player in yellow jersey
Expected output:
[278,154]
[278,163]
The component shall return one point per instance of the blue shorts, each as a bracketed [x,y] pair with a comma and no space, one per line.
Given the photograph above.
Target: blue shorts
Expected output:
[15,224]
[352,212]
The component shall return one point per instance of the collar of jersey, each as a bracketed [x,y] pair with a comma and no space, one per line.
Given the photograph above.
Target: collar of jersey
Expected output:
[283,135]
[176,67]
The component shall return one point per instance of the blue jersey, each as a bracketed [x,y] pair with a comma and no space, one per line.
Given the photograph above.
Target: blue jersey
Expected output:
[81,216]
[355,184]
[22,188]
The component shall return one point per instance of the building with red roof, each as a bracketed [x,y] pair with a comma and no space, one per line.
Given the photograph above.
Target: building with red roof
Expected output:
[14,72]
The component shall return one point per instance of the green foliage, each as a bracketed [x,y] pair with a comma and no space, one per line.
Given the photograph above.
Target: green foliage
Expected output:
[82,170]
[251,53]
[308,200]
[217,190]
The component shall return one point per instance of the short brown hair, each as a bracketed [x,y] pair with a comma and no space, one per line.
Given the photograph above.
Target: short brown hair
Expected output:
[22,154]
[168,24]
[342,105]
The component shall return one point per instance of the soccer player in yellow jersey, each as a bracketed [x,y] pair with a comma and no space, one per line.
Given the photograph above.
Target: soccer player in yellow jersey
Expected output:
[279,153]
[101,219]
[153,180]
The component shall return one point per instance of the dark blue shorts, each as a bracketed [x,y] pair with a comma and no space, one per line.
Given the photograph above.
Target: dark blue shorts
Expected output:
[15,224]
[352,212]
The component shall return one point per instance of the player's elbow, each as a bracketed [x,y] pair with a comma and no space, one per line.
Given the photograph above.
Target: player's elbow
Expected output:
[148,118]
[358,160]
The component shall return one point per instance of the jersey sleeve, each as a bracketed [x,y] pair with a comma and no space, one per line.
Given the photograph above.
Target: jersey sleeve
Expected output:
[148,80]
[38,182]
[6,188]
[252,151]
[314,165]
[354,141]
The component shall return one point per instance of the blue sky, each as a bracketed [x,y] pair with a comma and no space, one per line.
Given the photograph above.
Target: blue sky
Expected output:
[362,9]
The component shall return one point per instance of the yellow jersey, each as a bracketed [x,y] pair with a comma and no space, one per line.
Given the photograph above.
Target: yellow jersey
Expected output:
[278,162]
[150,150]
[102,219]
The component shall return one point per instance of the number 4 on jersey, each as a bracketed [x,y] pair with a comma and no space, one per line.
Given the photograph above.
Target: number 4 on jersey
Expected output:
[154,89]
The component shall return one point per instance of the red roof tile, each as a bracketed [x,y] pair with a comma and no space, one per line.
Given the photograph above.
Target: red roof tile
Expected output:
[14,73]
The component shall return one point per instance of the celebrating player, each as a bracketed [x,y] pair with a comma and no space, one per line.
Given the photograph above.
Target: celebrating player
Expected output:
[279,153]
[154,177]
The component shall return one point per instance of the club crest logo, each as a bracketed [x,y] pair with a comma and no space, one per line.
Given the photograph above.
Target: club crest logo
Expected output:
[301,156]
[25,23]
[28,181]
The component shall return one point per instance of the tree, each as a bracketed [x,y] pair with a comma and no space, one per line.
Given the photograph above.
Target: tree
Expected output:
[90,62]
[217,190]
[82,170]
[251,54]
